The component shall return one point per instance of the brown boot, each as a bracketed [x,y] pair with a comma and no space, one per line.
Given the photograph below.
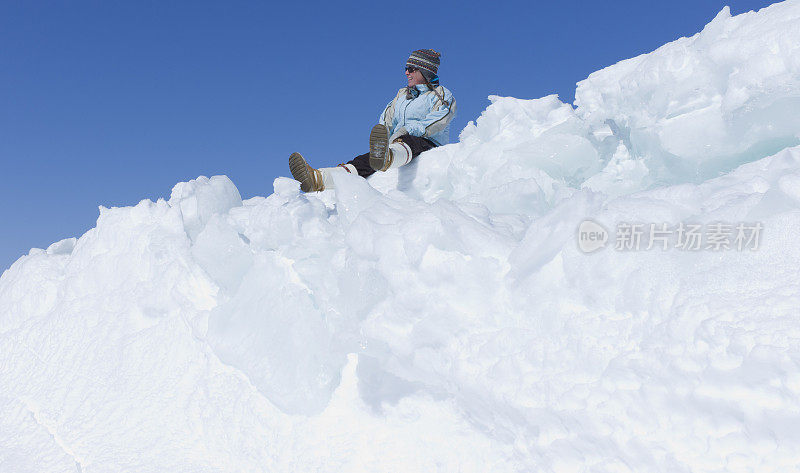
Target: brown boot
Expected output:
[380,156]
[310,178]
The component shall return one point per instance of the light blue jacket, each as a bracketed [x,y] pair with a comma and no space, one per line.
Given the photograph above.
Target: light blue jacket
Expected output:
[428,115]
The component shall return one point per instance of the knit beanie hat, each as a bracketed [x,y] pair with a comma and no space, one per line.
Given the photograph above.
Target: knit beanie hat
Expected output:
[427,60]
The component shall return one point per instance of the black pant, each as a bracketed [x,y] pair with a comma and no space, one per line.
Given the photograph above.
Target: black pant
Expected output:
[418,146]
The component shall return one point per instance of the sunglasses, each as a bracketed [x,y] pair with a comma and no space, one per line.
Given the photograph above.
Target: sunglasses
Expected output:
[411,69]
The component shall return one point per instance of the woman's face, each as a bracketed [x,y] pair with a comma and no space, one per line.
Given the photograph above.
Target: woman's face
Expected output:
[415,77]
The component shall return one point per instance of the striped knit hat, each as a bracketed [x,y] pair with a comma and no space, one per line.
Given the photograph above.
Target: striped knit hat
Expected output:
[425,60]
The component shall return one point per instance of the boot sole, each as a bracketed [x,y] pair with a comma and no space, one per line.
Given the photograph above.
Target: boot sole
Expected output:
[299,169]
[378,147]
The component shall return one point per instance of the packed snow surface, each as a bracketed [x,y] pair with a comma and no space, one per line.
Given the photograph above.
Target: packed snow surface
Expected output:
[449,316]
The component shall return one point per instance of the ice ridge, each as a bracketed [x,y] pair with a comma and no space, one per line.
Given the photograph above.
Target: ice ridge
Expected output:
[447,316]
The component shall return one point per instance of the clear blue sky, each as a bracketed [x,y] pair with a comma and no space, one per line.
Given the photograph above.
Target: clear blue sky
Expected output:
[110,102]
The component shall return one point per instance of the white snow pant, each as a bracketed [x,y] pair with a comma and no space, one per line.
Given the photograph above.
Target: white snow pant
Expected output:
[327,174]
[400,152]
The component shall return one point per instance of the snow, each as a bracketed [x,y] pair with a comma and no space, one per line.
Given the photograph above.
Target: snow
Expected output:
[443,316]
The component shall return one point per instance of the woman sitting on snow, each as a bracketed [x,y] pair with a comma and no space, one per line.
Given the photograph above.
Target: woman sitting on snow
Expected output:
[417,120]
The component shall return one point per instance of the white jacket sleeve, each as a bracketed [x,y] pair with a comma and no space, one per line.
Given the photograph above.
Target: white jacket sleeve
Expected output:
[440,115]
[387,117]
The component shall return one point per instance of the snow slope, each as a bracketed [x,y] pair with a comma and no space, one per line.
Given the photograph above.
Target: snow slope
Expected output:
[444,317]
